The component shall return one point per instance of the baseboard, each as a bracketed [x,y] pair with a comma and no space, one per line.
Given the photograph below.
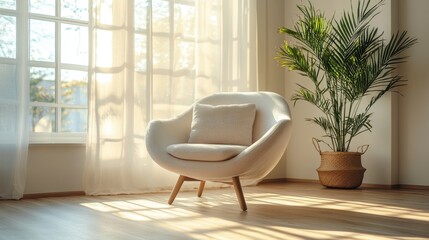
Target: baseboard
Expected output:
[364,185]
[380,186]
[415,187]
[298,180]
[53,194]
[289,180]
[273,180]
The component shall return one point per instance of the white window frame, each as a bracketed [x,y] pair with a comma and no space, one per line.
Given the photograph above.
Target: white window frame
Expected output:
[23,18]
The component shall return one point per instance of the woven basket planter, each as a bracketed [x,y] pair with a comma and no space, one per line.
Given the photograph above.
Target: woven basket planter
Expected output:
[341,169]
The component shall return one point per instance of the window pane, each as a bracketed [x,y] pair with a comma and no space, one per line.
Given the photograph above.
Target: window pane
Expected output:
[74,44]
[161,96]
[161,16]
[140,49]
[42,84]
[74,120]
[140,14]
[8,4]
[184,20]
[8,83]
[186,55]
[74,87]
[46,7]
[161,53]
[42,119]
[8,116]
[74,9]
[42,41]
[7,36]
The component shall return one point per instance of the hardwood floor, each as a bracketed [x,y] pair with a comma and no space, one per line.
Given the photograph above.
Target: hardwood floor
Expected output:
[275,211]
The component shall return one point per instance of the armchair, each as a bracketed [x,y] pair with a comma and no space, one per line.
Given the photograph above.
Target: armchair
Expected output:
[166,140]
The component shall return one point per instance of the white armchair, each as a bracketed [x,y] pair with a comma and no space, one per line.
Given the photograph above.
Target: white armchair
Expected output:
[168,144]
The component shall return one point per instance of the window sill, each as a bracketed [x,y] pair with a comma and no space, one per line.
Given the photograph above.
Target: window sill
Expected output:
[57,139]
[57,144]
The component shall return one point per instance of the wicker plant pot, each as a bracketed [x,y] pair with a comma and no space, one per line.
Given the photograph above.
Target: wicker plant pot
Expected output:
[341,169]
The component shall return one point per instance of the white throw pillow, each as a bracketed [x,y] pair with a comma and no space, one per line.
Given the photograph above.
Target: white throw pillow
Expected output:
[223,124]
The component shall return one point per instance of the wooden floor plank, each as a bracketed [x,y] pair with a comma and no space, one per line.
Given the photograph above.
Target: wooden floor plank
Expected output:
[275,211]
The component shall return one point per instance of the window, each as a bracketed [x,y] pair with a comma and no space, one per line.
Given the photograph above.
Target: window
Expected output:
[56,33]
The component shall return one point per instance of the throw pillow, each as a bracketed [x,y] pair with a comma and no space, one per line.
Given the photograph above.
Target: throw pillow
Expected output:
[223,124]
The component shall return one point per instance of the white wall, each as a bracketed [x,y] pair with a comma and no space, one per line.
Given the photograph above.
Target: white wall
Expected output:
[413,105]
[55,168]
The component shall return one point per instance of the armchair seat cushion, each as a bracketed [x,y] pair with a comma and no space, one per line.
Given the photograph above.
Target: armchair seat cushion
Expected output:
[204,152]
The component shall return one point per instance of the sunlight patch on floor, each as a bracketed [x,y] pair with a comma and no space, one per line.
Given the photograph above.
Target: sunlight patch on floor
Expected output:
[125,205]
[344,205]
[132,216]
[153,208]
[149,204]
[101,207]
[187,216]
[296,233]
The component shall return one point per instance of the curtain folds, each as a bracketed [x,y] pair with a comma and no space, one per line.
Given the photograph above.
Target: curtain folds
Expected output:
[14,131]
[152,59]
[13,134]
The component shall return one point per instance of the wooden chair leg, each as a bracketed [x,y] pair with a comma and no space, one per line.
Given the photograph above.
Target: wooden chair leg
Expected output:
[201,188]
[176,189]
[239,192]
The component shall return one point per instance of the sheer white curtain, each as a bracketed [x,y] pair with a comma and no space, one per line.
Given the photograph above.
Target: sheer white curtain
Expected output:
[13,110]
[152,59]
[13,132]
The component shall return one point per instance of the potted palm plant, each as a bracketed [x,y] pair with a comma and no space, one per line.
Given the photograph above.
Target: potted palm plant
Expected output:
[350,66]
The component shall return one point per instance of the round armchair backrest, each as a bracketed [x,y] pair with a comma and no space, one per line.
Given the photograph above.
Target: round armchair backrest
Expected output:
[270,107]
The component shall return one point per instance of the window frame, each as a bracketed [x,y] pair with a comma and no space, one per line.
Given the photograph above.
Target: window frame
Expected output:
[23,18]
